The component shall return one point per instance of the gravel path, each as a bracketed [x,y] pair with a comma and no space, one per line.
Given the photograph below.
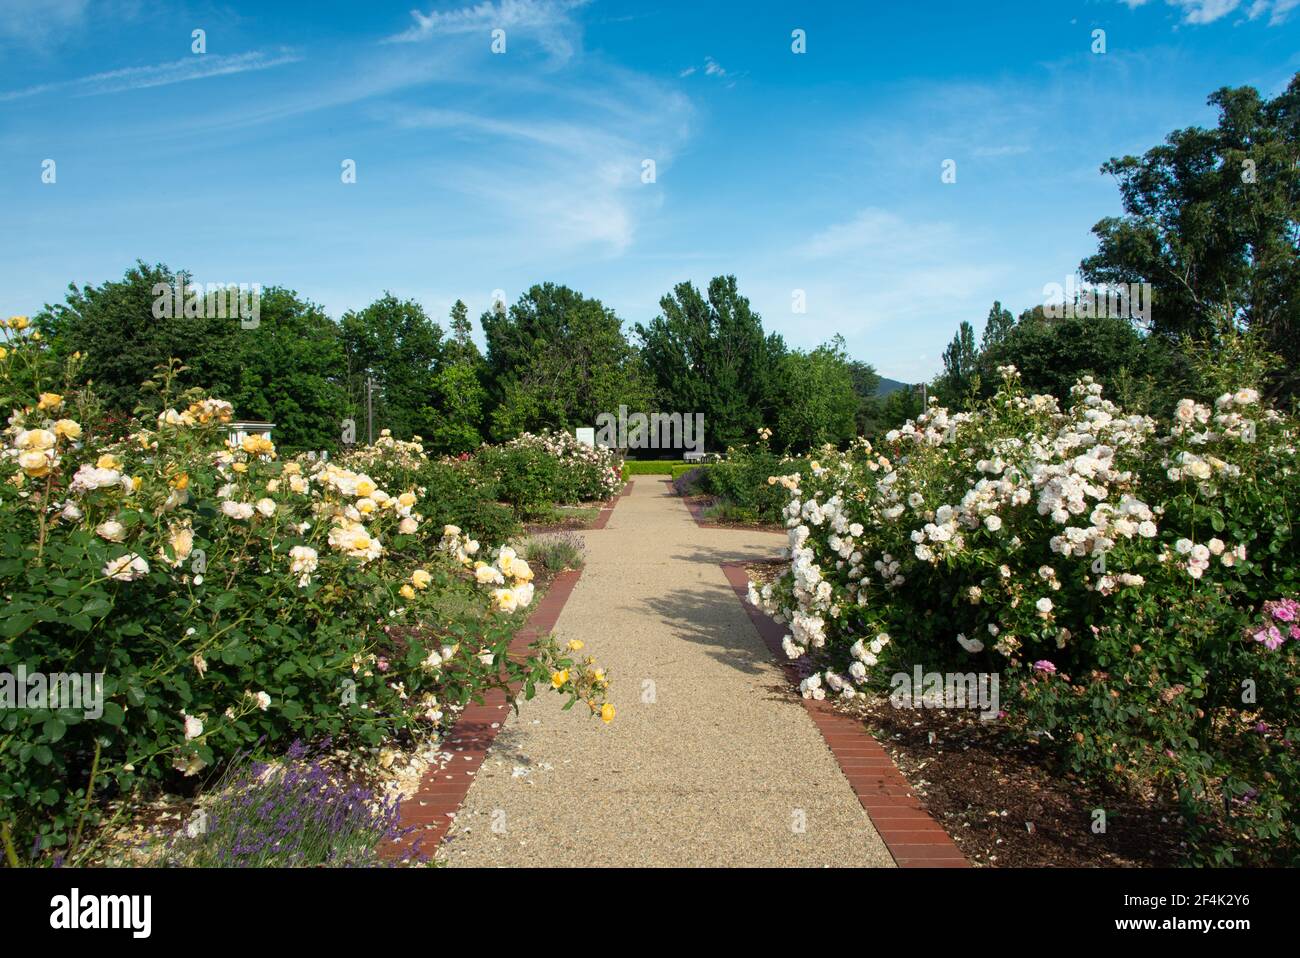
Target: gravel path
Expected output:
[711,760]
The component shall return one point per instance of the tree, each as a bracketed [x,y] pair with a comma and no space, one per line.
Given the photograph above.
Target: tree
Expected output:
[114,328]
[394,343]
[291,372]
[818,402]
[1212,222]
[557,360]
[459,398]
[866,384]
[287,368]
[898,407]
[959,366]
[1052,354]
[712,357]
[997,326]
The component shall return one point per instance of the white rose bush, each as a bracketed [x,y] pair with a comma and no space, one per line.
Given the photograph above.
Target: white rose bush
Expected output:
[229,599]
[1133,581]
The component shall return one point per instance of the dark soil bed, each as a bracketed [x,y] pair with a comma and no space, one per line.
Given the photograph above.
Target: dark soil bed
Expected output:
[1005,806]
[1005,803]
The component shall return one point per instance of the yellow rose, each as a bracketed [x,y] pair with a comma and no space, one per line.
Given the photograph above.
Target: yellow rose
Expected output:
[406,591]
[67,429]
[3,352]
[18,322]
[365,486]
[240,467]
[558,679]
[35,464]
[406,499]
[575,645]
[421,579]
[181,482]
[109,461]
[607,713]
[50,401]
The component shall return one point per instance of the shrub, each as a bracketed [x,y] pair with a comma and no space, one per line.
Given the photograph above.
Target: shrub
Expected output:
[224,596]
[292,813]
[556,553]
[533,471]
[650,467]
[745,483]
[1118,572]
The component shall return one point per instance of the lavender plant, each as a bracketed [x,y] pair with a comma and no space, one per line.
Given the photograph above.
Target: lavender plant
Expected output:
[291,813]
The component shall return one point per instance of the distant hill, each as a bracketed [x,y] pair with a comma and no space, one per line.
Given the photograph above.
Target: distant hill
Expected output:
[888,386]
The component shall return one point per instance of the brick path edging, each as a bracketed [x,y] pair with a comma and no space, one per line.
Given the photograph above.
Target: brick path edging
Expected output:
[432,809]
[914,839]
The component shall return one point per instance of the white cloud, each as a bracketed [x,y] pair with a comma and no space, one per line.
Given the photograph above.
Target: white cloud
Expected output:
[1208,11]
[162,74]
[35,21]
[569,183]
[549,22]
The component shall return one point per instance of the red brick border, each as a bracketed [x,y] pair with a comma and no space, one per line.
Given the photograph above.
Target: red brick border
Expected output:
[607,509]
[433,807]
[913,838]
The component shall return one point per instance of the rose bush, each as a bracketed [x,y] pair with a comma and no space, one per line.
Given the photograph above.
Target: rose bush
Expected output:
[1130,579]
[534,471]
[227,597]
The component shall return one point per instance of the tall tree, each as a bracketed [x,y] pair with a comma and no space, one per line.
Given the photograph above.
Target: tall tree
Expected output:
[998,325]
[286,368]
[394,343]
[818,402]
[1212,221]
[557,359]
[711,356]
[959,365]
[114,327]
[866,384]
[459,398]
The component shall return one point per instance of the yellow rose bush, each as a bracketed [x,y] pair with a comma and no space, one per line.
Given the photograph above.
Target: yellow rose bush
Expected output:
[227,597]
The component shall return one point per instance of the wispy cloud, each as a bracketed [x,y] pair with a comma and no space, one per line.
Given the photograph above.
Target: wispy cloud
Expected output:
[549,22]
[162,74]
[35,21]
[1208,11]
[571,182]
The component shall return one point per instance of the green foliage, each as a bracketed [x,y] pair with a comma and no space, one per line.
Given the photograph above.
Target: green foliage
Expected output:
[1210,221]
[741,482]
[651,467]
[556,360]
[534,471]
[287,369]
[819,403]
[394,343]
[710,356]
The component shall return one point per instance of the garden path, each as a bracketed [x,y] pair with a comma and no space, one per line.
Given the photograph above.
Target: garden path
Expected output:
[711,760]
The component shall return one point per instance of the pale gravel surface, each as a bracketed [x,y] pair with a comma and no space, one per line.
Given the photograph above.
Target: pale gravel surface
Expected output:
[716,770]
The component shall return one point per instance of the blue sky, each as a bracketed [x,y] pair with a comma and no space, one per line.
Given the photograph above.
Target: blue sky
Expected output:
[479,171]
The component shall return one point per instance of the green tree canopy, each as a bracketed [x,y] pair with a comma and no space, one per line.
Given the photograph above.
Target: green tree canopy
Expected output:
[557,359]
[711,356]
[395,343]
[818,402]
[1212,221]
